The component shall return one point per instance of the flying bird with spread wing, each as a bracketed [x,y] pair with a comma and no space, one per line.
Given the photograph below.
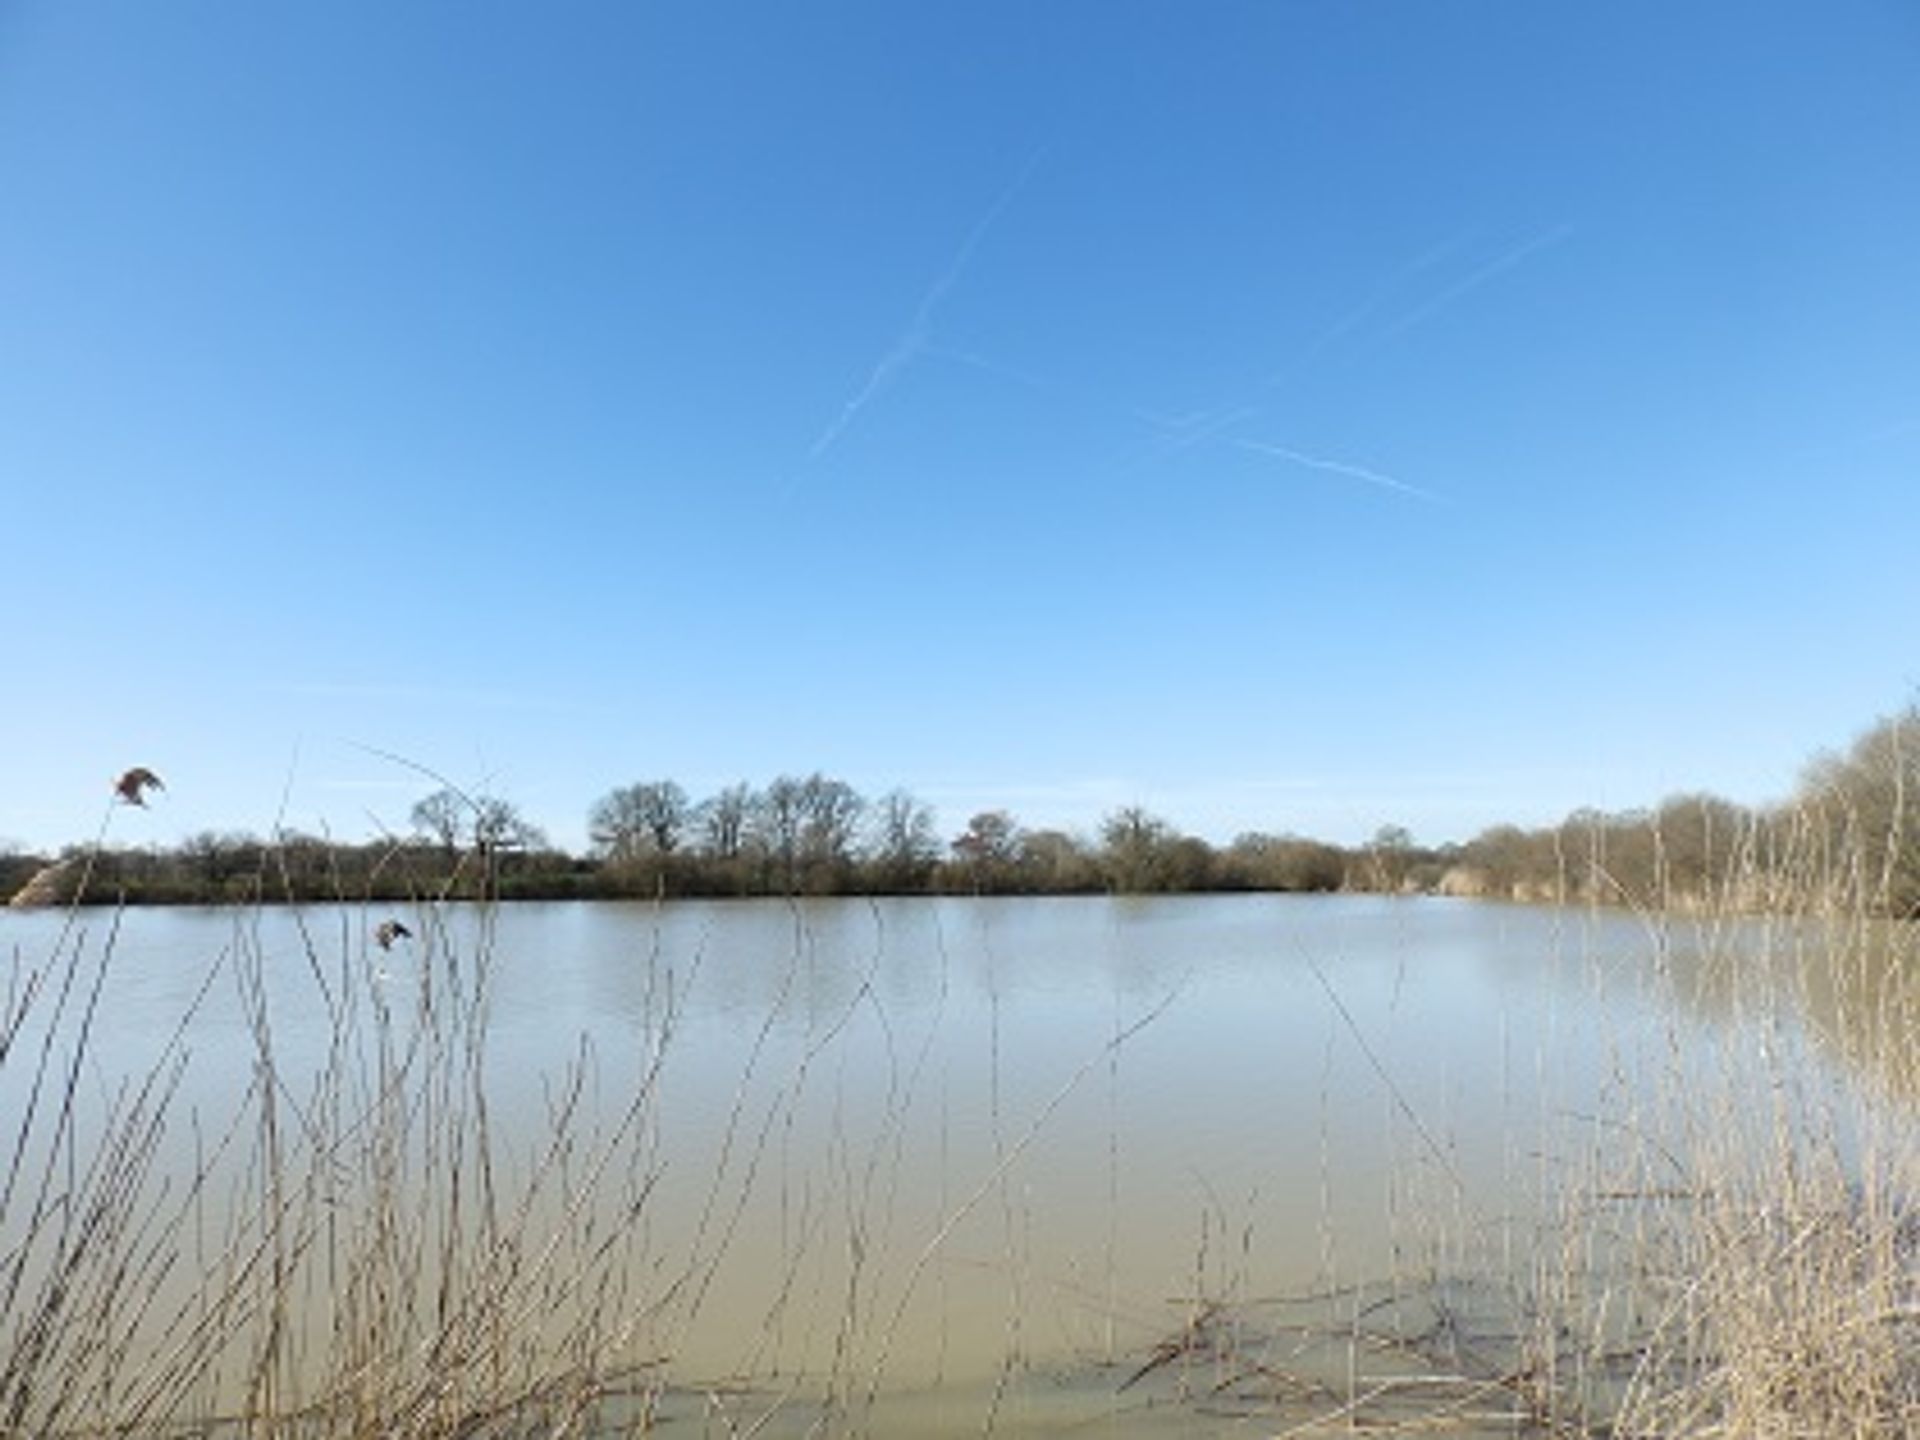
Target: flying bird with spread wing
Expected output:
[132,787]
[388,931]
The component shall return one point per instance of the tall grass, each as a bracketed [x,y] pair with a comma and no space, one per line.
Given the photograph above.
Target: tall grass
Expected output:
[1723,1242]
[1727,1239]
[1743,1231]
[347,1251]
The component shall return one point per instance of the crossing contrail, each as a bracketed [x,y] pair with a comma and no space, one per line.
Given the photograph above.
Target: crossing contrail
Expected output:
[1185,432]
[915,338]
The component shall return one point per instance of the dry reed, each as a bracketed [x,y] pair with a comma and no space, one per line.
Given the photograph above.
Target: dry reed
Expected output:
[1729,1243]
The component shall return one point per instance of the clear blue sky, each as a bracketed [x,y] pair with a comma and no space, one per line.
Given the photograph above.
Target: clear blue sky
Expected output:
[1283,415]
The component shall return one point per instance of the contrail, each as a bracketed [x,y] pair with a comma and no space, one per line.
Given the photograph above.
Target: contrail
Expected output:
[1383,290]
[1178,431]
[1029,378]
[1180,435]
[1496,266]
[1340,467]
[914,339]
[891,364]
[1185,432]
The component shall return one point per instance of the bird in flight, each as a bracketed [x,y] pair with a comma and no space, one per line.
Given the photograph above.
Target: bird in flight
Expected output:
[388,931]
[132,787]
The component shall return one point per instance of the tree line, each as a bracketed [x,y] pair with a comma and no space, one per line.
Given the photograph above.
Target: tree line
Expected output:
[817,835]
[1849,834]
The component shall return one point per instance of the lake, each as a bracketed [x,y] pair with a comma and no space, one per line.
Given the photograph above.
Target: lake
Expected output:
[1138,1166]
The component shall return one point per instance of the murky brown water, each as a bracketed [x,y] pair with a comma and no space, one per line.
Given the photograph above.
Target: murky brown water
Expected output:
[1018,1164]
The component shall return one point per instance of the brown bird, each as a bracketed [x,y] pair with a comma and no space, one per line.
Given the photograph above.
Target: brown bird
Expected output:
[132,787]
[388,931]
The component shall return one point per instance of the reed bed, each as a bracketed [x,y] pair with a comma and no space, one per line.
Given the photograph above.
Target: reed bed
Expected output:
[1724,1241]
[348,1252]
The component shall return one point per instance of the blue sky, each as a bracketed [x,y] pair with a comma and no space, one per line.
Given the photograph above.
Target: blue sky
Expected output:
[1294,416]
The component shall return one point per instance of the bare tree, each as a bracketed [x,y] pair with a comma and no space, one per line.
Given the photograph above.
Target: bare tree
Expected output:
[648,818]
[452,819]
[830,823]
[905,845]
[988,849]
[779,819]
[1136,844]
[442,818]
[806,826]
[723,822]
[498,825]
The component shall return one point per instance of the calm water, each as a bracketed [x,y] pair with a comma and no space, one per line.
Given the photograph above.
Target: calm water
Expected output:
[941,1148]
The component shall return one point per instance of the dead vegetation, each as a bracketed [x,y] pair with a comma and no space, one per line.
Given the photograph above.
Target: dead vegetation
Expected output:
[1726,1243]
